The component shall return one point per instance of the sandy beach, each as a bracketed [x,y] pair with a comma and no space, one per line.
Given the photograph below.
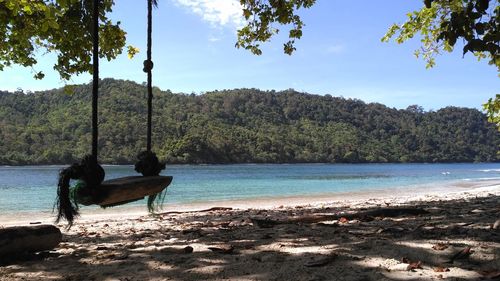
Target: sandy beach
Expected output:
[455,239]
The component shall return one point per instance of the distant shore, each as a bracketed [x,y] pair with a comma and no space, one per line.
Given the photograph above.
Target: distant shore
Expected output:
[245,163]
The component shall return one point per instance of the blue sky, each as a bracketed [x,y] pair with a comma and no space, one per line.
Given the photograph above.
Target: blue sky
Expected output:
[340,54]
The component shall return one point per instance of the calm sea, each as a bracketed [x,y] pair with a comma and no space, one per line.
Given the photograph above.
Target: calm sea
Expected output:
[33,188]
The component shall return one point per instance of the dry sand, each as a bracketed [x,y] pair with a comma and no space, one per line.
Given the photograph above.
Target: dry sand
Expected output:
[227,245]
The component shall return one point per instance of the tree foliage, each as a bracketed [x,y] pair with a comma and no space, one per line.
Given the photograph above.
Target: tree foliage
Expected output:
[61,27]
[262,17]
[441,23]
[236,126]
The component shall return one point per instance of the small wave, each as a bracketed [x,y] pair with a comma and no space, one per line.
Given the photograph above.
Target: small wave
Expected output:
[445,173]
[482,179]
[489,170]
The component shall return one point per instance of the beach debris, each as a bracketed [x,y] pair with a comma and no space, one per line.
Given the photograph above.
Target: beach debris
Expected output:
[412,265]
[440,246]
[188,250]
[441,269]
[395,229]
[491,274]
[223,249]
[197,211]
[462,254]
[362,216]
[343,220]
[321,261]
[496,225]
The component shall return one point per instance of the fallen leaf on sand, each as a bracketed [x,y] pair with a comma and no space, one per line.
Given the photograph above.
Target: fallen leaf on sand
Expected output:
[441,269]
[440,246]
[320,262]
[343,220]
[414,265]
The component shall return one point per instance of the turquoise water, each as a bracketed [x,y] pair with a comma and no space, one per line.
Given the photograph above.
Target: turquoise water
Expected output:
[33,188]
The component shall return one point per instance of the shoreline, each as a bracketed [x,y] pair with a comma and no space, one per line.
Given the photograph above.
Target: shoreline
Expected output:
[256,163]
[396,195]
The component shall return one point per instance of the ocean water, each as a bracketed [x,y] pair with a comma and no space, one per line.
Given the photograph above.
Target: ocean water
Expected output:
[33,188]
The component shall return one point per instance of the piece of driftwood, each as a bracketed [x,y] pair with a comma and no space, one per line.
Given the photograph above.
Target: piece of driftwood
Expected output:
[198,211]
[128,189]
[222,249]
[382,212]
[22,239]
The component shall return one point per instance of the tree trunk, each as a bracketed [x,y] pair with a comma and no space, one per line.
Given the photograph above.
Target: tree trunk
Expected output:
[21,239]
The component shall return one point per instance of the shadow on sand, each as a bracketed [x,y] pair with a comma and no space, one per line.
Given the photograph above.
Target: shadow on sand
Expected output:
[226,245]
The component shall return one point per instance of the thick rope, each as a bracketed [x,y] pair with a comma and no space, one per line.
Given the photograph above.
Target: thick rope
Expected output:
[90,173]
[148,67]
[149,165]
[95,78]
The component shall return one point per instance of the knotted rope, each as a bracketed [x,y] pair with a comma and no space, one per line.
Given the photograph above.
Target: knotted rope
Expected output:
[90,173]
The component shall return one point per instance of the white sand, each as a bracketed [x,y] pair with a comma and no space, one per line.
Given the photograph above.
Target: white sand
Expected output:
[128,244]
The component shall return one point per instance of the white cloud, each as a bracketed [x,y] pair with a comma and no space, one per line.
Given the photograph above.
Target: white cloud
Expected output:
[213,38]
[216,12]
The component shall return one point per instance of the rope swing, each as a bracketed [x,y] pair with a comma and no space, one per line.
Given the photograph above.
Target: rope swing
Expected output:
[89,175]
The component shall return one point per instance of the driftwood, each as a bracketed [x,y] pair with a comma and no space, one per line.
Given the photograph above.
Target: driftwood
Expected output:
[28,239]
[382,212]
[197,211]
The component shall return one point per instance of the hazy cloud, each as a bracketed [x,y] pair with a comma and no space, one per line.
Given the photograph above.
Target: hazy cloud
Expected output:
[334,49]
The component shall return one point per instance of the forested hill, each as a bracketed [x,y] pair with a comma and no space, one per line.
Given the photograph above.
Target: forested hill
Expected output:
[235,126]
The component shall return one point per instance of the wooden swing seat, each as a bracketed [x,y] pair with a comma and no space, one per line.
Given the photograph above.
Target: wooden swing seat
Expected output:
[128,189]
